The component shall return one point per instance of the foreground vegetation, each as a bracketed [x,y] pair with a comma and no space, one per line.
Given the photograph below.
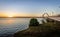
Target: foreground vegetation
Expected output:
[46,29]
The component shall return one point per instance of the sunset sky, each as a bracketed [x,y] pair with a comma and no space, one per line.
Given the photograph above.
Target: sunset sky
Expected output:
[29,7]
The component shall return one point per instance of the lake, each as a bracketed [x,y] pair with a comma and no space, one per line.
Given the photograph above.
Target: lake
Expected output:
[9,26]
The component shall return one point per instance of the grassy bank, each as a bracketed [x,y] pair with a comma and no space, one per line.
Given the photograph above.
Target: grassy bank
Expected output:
[42,30]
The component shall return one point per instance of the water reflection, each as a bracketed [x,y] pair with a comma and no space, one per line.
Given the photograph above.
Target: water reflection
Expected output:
[9,21]
[4,21]
[12,25]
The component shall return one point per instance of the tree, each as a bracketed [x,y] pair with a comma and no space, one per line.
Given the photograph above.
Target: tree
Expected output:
[34,22]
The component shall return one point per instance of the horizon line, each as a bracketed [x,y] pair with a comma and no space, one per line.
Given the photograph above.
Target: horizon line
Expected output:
[29,17]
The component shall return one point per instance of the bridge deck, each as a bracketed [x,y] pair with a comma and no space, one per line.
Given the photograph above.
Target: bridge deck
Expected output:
[55,18]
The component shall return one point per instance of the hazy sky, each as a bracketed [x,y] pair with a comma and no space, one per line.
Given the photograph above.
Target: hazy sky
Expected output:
[29,7]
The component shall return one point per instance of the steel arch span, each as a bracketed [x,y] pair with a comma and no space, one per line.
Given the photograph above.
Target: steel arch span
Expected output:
[45,14]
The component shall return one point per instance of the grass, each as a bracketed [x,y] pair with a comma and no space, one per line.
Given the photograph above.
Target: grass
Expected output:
[45,30]
[34,31]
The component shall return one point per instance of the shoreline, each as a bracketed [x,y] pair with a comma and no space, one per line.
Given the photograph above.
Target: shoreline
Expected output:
[44,30]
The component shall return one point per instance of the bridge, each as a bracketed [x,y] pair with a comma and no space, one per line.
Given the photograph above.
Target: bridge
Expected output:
[51,17]
[55,18]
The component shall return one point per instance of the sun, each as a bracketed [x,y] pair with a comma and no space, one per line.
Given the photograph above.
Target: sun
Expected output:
[10,16]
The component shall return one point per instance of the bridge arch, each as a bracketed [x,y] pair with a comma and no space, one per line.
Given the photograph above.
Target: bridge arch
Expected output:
[45,15]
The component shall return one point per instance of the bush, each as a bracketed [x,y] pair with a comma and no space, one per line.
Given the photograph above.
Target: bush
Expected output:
[34,22]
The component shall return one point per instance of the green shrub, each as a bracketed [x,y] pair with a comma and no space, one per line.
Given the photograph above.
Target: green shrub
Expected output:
[34,22]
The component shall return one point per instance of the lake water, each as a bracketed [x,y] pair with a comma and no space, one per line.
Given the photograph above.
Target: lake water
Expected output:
[9,26]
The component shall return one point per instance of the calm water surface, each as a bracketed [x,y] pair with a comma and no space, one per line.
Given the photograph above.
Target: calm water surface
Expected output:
[8,26]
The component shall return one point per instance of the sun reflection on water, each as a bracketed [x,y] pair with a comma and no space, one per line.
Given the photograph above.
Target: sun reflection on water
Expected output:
[9,21]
